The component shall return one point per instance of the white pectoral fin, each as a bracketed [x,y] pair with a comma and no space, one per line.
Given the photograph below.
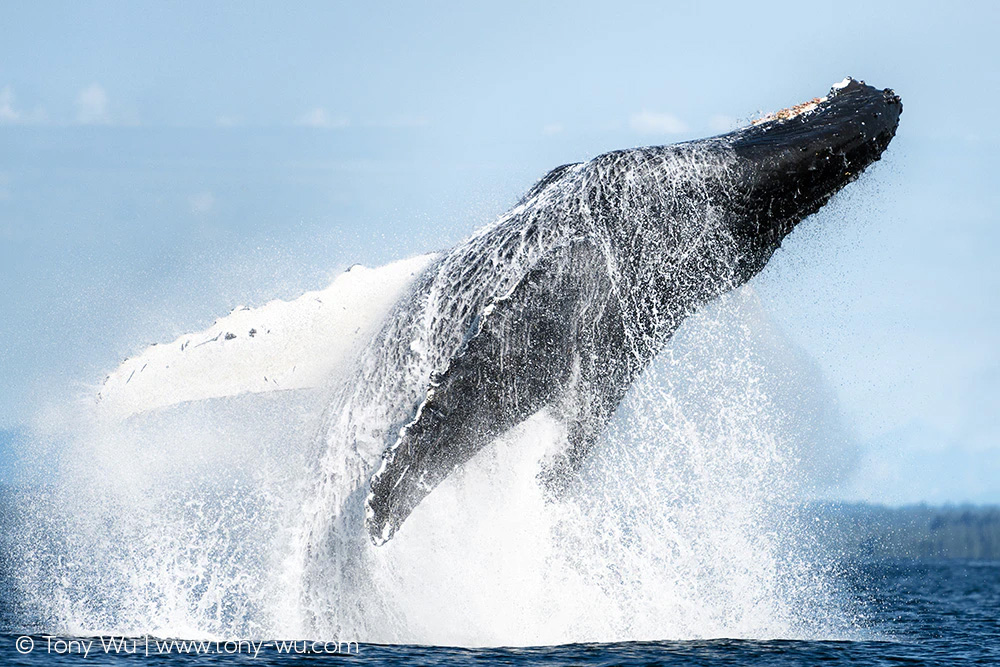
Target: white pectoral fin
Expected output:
[281,345]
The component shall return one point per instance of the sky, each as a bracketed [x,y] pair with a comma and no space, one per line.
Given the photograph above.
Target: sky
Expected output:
[162,163]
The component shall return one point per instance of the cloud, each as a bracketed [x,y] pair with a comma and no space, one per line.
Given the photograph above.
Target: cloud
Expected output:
[92,106]
[321,118]
[7,112]
[721,123]
[553,128]
[652,122]
[203,202]
[10,115]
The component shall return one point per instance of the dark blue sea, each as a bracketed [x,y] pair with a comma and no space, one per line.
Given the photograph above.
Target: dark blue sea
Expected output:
[934,612]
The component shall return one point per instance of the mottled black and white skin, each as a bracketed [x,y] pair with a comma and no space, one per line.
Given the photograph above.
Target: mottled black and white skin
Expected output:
[565,299]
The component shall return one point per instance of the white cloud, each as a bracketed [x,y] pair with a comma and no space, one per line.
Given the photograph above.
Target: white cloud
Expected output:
[652,122]
[320,117]
[92,106]
[7,112]
[553,128]
[10,115]
[722,123]
[203,202]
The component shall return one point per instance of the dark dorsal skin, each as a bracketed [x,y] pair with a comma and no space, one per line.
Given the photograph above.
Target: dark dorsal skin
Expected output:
[564,300]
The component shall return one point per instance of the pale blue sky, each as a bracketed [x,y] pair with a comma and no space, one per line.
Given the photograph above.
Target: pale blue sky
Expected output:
[161,163]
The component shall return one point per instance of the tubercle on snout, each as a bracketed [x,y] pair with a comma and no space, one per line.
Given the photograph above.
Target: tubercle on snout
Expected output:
[888,94]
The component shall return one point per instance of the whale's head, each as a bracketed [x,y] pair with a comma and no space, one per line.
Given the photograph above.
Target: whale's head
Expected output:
[725,203]
[788,164]
[696,219]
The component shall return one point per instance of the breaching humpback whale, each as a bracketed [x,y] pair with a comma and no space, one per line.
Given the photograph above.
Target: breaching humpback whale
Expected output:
[564,300]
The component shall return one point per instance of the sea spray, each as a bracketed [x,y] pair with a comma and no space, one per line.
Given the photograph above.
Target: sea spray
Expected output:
[243,516]
[677,528]
[185,522]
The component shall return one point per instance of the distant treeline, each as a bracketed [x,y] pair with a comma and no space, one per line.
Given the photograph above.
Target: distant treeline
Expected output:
[917,531]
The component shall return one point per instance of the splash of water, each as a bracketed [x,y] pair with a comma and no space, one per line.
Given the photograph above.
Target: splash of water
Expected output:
[231,517]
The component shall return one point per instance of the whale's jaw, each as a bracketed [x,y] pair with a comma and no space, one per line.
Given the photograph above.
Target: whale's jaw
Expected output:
[791,162]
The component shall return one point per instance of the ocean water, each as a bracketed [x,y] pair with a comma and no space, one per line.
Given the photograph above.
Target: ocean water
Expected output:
[915,613]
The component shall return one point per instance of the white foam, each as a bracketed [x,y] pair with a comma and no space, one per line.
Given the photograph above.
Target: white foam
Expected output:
[843,84]
[231,518]
[184,522]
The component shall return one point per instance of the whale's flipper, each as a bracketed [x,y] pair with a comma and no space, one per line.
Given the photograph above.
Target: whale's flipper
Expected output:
[282,345]
[519,355]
